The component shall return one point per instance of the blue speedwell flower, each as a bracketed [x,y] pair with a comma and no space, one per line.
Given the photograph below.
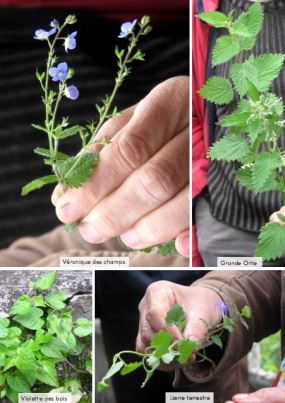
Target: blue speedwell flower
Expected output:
[59,73]
[70,41]
[71,92]
[54,24]
[223,307]
[126,28]
[42,34]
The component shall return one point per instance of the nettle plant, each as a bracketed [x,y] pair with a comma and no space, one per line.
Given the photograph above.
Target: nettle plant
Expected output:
[163,349]
[74,171]
[41,348]
[257,123]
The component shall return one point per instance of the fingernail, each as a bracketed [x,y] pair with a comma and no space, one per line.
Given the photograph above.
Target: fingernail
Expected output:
[69,213]
[241,397]
[89,233]
[130,238]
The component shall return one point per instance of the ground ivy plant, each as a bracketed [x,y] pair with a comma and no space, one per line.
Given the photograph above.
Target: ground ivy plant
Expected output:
[74,171]
[163,349]
[41,348]
[257,123]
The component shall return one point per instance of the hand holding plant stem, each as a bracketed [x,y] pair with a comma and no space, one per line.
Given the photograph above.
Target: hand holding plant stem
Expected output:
[163,349]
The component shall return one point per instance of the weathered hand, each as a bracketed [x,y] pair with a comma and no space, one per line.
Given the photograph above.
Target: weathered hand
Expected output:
[140,189]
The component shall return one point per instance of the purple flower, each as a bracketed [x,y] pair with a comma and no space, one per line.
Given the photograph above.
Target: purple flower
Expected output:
[223,307]
[54,24]
[71,92]
[42,34]
[126,28]
[59,73]
[70,41]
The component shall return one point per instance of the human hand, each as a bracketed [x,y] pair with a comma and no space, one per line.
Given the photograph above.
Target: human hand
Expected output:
[160,296]
[267,395]
[274,217]
[140,189]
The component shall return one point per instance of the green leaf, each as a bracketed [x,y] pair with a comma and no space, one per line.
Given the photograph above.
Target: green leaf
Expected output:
[229,148]
[227,324]
[175,315]
[217,340]
[244,176]
[21,305]
[241,74]
[226,47]
[161,342]
[44,129]
[206,323]
[132,366]
[102,385]
[218,90]
[31,320]
[55,348]
[249,24]
[271,241]
[38,301]
[45,282]
[18,382]
[84,327]
[186,348]
[71,131]
[25,360]
[215,18]
[166,248]
[38,183]
[56,298]
[238,117]
[263,167]
[281,217]
[246,311]
[77,170]
[114,369]
[268,68]
[42,337]
[46,373]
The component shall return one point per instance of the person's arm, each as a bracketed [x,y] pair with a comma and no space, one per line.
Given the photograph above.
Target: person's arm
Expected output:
[140,189]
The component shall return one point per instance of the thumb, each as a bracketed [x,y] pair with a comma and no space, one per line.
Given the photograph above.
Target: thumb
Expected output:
[204,312]
[267,395]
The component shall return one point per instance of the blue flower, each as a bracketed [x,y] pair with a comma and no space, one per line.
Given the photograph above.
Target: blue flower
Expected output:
[223,307]
[70,41]
[42,34]
[54,24]
[126,28]
[71,92]
[59,73]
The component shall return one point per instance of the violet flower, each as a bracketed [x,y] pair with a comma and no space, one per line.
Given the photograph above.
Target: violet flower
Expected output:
[59,73]
[41,34]
[223,307]
[71,92]
[126,28]
[70,41]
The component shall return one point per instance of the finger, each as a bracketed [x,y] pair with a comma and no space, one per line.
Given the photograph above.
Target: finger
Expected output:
[182,243]
[274,217]
[160,225]
[148,188]
[266,395]
[144,135]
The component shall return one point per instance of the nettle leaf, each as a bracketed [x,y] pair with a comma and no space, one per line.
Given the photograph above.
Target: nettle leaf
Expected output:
[76,173]
[241,74]
[175,316]
[268,68]
[218,90]
[38,183]
[244,176]
[249,24]
[271,241]
[226,47]
[264,167]
[229,148]
[186,348]
[21,305]
[45,282]
[215,18]
[238,117]
[161,342]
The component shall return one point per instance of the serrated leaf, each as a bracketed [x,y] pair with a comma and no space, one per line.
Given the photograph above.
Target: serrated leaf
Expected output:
[264,166]
[215,18]
[268,68]
[217,340]
[238,117]
[244,176]
[229,148]
[161,342]
[227,324]
[38,183]
[45,282]
[241,74]
[165,249]
[218,90]
[186,348]
[226,48]
[77,170]
[271,241]
[206,323]
[175,315]
[132,366]
[246,311]
[249,24]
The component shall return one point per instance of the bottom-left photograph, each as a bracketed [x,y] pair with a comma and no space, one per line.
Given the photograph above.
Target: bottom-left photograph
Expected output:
[46,335]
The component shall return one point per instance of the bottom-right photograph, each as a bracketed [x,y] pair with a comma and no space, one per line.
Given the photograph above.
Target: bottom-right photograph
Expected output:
[189,335]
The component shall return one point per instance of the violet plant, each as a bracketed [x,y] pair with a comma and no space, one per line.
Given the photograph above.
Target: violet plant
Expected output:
[74,171]
[163,349]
